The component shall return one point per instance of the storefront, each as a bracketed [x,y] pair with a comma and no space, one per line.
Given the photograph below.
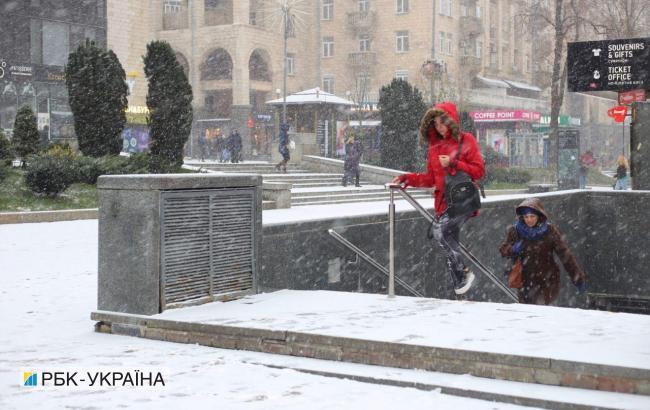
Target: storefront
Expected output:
[135,135]
[493,127]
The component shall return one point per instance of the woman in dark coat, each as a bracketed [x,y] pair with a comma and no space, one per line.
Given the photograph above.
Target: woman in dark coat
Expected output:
[534,240]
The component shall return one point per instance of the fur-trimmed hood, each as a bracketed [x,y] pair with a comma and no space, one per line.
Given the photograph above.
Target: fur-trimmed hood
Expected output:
[450,118]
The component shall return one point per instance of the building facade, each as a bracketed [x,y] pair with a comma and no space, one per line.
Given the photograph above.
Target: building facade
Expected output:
[37,37]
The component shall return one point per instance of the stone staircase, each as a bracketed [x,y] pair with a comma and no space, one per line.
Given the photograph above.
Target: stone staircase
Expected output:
[307,187]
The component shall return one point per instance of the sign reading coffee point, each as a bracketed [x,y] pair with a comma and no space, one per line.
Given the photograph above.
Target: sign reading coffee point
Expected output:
[500,115]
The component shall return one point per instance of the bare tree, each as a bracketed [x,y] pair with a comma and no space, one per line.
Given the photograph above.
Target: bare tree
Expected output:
[622,18]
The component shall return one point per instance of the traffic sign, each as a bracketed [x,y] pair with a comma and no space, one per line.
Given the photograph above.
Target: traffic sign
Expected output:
[628,97]
[618,113]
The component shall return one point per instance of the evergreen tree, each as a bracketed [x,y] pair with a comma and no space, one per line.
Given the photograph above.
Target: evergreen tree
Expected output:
[169,100]
[26,139]
[97,93]
[6,153]
[401,108]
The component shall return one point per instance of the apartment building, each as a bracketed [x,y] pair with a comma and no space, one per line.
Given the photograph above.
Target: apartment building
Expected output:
[475,52]
[37,37]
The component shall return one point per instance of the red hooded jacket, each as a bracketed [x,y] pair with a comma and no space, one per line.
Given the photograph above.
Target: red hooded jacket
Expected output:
[470,160]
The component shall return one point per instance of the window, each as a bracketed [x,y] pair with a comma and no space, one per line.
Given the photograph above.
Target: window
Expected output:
[446,7]
[402,41]
[56,45]
[328,84]
[479,49]
[364,43]
[328,10]
[493,55]
[173,6]
[402,6]
[463,10]
[504,56]
[402,75]
[214,4]
[478,10]
[516,57]
[328,46]
[462,46]
[363,84]
[291,64]
[252,19]
[527,63]
[363,5]
[446,45]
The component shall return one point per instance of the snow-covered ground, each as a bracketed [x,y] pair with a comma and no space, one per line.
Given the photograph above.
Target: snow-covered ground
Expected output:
[48,287]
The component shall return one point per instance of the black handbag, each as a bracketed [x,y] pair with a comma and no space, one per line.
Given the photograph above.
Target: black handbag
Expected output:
[461,193]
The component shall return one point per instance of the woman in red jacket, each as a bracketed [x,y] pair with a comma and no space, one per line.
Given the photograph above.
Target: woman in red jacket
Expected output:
[440,129]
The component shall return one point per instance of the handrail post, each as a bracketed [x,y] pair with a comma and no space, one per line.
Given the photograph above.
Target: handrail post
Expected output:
[391,245]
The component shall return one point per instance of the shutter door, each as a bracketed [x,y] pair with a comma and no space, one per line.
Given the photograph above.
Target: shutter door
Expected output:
[207,243]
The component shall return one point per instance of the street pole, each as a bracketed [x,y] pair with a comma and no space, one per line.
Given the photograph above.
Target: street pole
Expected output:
[285,20]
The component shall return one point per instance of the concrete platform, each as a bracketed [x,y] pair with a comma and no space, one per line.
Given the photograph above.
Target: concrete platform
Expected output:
[550,346]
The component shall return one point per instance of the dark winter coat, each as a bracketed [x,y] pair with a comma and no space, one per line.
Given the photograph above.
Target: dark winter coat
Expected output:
[621,172]
[234,142]
[353,152]
[470,160]
[540,272]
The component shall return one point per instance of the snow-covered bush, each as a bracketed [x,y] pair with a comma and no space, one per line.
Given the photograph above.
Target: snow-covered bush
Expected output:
[48,174]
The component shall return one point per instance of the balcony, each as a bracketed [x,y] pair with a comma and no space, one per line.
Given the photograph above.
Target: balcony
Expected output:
[361,21]
[471,63]
[471,26]
[176,20]
[362,59]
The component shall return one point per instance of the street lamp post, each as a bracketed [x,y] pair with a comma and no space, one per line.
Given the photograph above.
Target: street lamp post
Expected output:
[285,24]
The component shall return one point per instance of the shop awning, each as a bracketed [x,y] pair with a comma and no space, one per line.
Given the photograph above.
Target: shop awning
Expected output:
[523,86]
[312,96]
[492,83]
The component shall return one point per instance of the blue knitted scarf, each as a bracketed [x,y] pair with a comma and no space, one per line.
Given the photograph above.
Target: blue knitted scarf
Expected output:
[532,234]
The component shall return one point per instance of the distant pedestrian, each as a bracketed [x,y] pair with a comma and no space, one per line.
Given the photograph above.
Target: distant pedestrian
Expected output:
[283,147]
[203,145]
[587,162]
[234,146]
[531,243]
[353,153]
[622,178]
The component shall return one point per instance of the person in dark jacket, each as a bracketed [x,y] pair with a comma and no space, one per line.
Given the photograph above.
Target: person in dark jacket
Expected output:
[353,152]
[235,145]
[622,179]
[440,129]
[283,147]
[534,240]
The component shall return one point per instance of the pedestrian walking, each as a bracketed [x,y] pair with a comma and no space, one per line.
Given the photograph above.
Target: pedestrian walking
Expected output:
[622,169]
[454,160]
[234,146]
[202,145]
[587,161]
[283,148]
[353,153]
[531,244]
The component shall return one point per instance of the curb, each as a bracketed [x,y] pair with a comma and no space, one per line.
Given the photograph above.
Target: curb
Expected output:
[48,216]
[525,369]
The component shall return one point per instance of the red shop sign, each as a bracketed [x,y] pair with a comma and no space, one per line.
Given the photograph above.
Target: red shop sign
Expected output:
[618,113]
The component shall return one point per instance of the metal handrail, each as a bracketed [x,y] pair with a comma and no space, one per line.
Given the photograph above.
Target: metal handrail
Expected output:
[430,219]
[375,264]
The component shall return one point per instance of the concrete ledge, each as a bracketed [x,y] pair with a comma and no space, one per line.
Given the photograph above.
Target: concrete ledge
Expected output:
[279,192]
[406,356]
[374,174]
[47,216]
